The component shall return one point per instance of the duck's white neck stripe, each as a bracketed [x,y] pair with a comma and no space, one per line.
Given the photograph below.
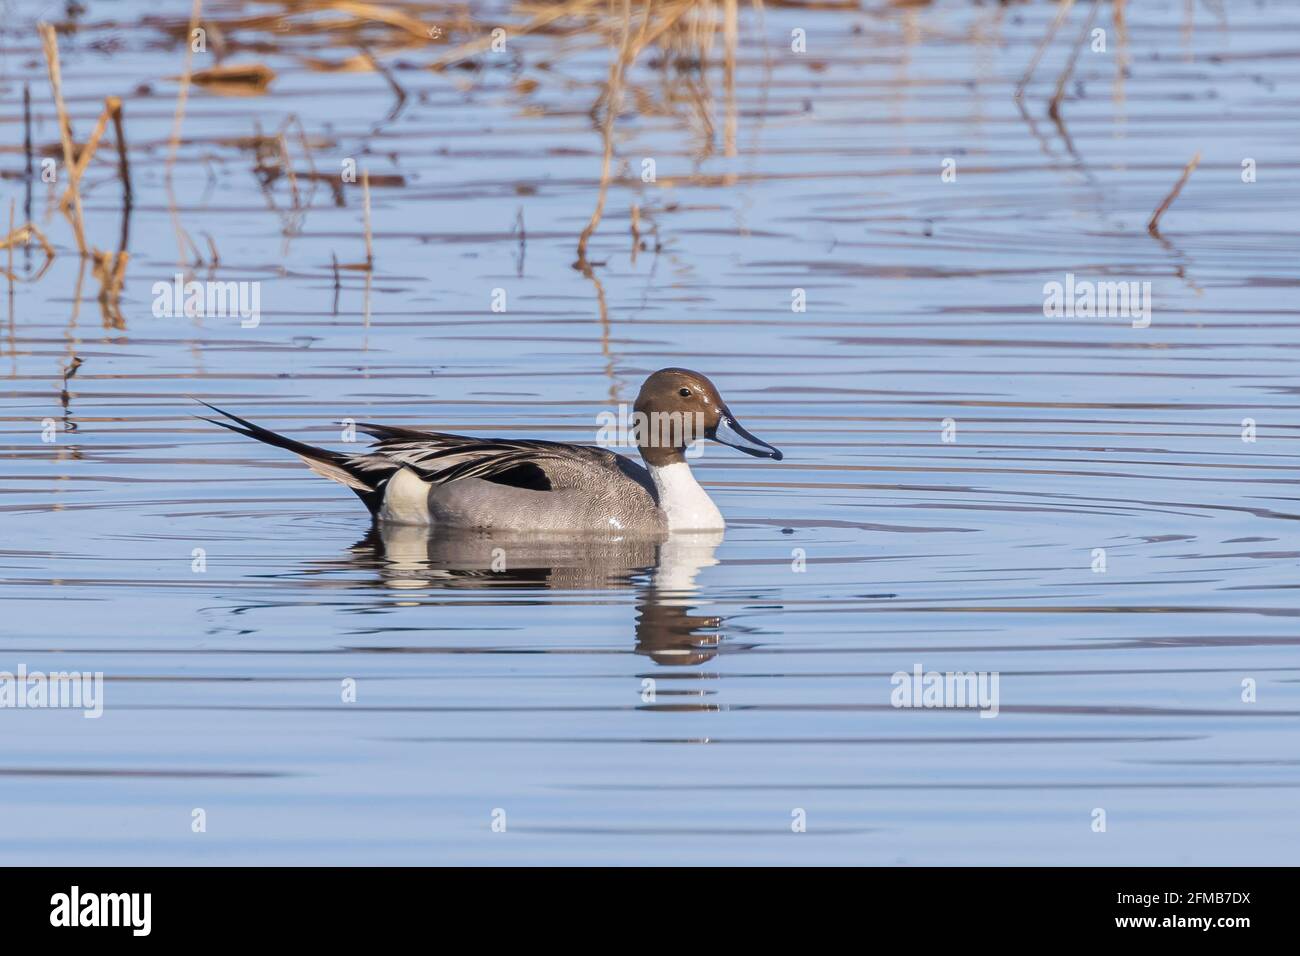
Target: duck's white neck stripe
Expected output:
[687,505]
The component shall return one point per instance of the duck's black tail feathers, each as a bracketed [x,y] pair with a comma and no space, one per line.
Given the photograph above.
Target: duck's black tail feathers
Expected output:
[364,474]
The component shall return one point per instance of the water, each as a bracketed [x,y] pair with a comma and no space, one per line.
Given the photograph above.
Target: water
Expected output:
[622,703]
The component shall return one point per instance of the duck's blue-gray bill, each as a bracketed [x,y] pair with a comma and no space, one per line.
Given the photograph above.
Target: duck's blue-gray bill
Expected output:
[729,432]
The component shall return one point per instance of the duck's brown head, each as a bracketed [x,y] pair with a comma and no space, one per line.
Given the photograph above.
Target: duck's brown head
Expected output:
[677,407]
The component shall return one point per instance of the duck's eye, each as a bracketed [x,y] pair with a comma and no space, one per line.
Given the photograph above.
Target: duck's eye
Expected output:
[684,392]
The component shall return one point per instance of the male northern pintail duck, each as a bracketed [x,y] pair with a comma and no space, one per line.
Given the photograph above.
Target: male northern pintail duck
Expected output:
[409,476]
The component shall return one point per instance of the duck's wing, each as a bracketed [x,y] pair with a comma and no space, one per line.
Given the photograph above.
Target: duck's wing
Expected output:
[442,458]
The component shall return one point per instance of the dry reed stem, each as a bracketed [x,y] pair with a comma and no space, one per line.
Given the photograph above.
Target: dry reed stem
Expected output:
[1054,108]
[1120,26]
[613,89]
[730,40]
[663,26]
[669,20]
[22,236]
[312,174]
[25,234]
[365,198]
[303,141]
[387,74]
[114,105]
[50,44]
[394,18]
[84,157]
[570,8]
[1121,49]
[288,169]
[1153,225]
[1061,14]
[173,144]
[9,272]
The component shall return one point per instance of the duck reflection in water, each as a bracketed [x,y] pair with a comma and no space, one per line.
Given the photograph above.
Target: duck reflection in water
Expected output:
[661,571]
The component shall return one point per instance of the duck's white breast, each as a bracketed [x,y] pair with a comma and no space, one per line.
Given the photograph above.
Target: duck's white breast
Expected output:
[687,505]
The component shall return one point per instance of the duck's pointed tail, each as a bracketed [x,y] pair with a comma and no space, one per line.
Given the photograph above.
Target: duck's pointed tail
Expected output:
[358,472]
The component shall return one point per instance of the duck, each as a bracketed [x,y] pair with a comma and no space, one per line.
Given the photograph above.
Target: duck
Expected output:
[409,476]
